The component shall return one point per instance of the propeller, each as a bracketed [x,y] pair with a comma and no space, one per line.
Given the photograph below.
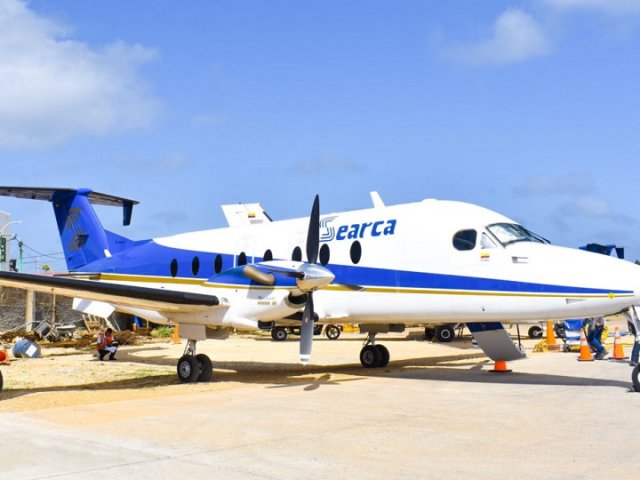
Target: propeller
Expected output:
[313,246]
[308,277]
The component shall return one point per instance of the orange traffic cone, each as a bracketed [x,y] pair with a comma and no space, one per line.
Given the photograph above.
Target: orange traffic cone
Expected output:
[175,338]
[585,351]
[618,349]
[552,346]
[500,367]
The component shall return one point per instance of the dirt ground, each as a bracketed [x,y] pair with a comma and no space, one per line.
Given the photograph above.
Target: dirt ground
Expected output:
[69,376]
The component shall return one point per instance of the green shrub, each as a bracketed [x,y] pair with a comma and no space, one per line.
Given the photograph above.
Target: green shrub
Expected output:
[162,332]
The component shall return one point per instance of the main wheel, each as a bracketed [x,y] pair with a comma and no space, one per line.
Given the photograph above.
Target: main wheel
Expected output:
[384,355]
[429,334]
[188,369]
[635,378]
[332,332]
[370,356]
[205,368]
[535,332]
[279,334]
[445,333]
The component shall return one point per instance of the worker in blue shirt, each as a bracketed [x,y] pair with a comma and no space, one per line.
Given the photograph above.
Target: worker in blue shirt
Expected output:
[636,343]
[598,332]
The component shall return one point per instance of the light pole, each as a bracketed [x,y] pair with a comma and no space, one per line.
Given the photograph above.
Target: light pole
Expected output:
[3,240]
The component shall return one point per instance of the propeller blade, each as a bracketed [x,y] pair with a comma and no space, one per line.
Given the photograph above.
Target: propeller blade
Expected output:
[306,331]
[313,234]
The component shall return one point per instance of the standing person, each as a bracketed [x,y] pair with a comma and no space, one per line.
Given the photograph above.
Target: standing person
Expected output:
[105,344]
[636,342]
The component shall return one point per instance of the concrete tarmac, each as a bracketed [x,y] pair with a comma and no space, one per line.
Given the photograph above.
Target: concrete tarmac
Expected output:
[435,412]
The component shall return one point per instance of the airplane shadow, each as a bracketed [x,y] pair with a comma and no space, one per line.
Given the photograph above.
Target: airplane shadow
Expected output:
[465,368]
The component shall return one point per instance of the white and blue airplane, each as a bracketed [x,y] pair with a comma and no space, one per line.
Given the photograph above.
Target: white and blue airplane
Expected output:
[386,267]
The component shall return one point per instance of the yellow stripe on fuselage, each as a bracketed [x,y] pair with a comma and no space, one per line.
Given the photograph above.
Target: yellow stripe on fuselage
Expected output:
[338,288]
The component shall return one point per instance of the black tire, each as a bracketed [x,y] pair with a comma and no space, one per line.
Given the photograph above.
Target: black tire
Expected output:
[370,357]
[635,378]
[332,332]
[558,329]
[445,333]
[535,332]
[429,334]
[279,334]
[206,368]
[188,369]
[384,355]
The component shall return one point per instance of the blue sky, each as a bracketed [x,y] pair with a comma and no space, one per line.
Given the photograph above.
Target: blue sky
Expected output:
[530,108]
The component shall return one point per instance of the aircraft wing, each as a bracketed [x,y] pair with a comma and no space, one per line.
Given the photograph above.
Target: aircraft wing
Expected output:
[101,291]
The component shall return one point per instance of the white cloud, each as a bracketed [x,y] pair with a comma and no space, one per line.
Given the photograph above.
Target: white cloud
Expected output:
[54,88]
[571,184]
[516,36]
[589,206]
[613,7]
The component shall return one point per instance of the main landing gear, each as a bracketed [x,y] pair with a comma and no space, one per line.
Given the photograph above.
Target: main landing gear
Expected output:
[194,368]
[372,355]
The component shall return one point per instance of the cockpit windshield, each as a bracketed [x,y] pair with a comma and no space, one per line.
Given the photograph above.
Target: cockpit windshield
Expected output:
[508,233]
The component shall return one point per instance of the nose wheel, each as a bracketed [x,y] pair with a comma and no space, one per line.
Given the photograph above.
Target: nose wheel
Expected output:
[372,355]
[194,368]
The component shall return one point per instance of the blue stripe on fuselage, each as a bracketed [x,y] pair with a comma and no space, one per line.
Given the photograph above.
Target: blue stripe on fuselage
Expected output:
[151,259]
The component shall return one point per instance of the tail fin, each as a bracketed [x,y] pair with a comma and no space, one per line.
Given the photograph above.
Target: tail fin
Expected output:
[83,238]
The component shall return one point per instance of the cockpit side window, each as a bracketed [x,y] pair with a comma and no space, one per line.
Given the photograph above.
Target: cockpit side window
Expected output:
[465,240]
[507,233]
[486,242]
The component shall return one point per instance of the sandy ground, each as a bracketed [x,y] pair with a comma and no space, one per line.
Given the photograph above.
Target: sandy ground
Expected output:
[66,376]
[434,412]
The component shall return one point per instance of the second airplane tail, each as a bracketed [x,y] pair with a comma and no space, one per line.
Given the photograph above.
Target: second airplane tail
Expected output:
[84,239]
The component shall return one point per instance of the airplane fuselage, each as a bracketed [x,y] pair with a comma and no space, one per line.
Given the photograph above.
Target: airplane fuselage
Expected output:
[426,262]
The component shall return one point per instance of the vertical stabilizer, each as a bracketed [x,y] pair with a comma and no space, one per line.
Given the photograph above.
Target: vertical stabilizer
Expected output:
[83,238]
[81,233]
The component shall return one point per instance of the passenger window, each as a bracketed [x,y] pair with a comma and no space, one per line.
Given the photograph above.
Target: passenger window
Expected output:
[195,266]
[355,252]
[217,264]
[174,267]
[465,240]
[325,254]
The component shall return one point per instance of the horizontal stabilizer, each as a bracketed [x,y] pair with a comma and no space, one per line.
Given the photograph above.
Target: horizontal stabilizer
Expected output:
[47,194]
